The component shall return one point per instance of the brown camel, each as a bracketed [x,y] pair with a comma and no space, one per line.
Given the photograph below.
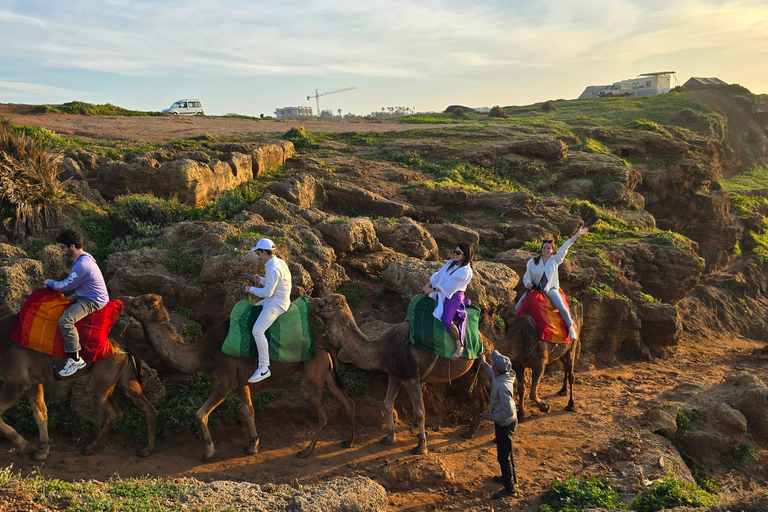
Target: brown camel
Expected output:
[521,343]
[230,374]
[24,371]
[393,353]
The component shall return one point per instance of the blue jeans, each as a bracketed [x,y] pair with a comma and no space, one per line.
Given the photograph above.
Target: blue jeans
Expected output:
[74,313]
[554,297]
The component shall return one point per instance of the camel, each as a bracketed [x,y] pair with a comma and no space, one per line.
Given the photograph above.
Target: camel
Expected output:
[24,371]
[230,374]
[521,343]
[393,353]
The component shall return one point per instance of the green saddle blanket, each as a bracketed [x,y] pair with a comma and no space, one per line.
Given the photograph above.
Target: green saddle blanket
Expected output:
[428,333]
[289,337]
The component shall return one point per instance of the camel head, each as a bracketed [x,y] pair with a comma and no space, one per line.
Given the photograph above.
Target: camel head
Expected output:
[147,308]
[329,306]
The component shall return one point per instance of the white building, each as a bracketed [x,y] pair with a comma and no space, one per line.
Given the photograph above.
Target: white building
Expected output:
[646,84]
[293,112]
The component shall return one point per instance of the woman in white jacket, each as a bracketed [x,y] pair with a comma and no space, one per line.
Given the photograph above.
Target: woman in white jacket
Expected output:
[541,272]
[447,287]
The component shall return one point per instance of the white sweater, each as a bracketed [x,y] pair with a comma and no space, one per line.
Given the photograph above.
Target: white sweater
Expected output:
[534,272]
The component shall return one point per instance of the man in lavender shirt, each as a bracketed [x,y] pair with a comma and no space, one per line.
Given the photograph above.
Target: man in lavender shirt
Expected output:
[90,295]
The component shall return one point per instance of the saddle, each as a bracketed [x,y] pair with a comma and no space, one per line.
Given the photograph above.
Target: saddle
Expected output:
[548,319]
[37,326]
[289,337]
[429,334]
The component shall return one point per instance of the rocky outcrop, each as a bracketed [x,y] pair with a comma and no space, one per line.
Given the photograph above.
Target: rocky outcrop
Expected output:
[363,202]
[406,236]
[350,235]
[19,276]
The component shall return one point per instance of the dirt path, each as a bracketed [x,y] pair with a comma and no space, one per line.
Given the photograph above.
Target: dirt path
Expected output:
[168,128]
[456,474]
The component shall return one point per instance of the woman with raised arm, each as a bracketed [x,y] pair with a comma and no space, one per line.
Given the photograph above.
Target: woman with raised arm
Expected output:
[541,272]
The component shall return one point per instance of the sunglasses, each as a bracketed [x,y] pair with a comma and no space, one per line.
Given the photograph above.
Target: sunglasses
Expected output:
[547,241]
[457,252]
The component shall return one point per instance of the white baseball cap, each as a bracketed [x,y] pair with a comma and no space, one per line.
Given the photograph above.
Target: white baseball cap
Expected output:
[265,244]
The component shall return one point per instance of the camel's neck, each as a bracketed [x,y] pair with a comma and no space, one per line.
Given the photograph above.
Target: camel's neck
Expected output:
[171,346]
[358,349]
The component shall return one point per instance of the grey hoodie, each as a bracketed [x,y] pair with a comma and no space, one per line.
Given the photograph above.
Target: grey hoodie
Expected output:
[502,408]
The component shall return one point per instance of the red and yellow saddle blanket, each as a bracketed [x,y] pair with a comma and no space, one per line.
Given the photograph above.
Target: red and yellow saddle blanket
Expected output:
[37,326]
[548,319]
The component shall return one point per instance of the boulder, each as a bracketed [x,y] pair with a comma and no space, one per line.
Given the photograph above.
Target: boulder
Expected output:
[407,236]
[492,287]
[55,264]
[660,328]
[271,156]
[145,270]
[363,202]
[372,264]
[545,147]
[350,235]
[19,276]
[448,236]
[303,190]
[276,209]
[661,420]
[610,329]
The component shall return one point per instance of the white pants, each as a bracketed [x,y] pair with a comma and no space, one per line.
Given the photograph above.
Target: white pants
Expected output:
[267,317]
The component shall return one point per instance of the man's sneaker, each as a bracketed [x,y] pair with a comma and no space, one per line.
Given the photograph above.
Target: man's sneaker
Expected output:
[261,374]
[504,493]
[572,333]
[71,367]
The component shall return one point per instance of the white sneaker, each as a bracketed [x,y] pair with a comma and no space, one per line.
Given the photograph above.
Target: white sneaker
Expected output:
[261,374]
[71,367]
[572,333]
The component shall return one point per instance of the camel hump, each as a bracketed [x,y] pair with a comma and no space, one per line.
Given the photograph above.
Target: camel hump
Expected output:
[36,326]
[289,337]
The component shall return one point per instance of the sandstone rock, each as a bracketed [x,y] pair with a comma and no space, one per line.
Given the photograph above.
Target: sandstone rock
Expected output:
[372,264]
[492,287]
[271,156]
[302,190]
[55,264]
[142,271]
[363,202]
[406,236]
[276,209]
[448,235]
[660,328]
[661,420]
[19,276]
[610,329]
[539,146]
[752,402]
[349,235]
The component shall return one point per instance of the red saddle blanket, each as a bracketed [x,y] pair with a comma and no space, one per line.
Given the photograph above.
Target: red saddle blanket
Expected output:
[37,326]
[548,319]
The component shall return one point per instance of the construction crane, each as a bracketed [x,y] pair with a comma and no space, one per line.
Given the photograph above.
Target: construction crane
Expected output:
[318,94]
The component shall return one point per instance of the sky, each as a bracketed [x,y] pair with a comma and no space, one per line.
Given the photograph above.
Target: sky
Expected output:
[251,57]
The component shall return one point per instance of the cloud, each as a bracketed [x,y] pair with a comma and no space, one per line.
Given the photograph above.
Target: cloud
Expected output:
[31,89]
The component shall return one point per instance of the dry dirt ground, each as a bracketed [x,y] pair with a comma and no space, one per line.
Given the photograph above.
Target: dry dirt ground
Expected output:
[167,128]
[456,474]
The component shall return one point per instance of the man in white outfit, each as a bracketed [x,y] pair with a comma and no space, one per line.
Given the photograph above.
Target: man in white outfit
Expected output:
[276,297]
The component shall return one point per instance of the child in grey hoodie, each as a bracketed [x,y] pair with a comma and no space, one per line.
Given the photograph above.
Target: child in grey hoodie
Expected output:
[504,415]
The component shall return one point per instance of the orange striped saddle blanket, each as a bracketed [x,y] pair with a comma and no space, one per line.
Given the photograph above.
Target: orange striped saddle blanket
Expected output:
[548,319]
[37,326]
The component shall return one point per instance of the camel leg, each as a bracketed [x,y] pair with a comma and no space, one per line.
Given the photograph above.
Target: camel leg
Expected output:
[217,396]
[314,392]
[9,395]
[40,413]
[417,398]
[132,389]
[536,374]
[106,402]
[243,394]
[484,385]
[568,367]
[393,386]
[520,378]
[349,406]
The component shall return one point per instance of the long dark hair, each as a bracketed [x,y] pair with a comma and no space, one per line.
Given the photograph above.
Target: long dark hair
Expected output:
[537,258]
[469,254]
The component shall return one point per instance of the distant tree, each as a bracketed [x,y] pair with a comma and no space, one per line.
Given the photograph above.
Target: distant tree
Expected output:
[458,110]
[497,111]
[548,105]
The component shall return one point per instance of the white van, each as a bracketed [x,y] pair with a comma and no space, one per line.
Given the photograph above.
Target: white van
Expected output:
[187,107]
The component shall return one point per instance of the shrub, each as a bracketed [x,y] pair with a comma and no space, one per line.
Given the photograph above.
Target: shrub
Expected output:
[230,203]
[548,106]
[573,495]
[458,110]
[737,456]
[497,111]
[686,419]
[139,213]
[670,493]
[300,137]
[31,194]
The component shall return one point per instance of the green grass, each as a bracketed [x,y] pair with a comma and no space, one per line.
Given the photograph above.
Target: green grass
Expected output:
[685,419]
[89,109]
[737,455]
[578,494]
[753,178]
[670,493]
